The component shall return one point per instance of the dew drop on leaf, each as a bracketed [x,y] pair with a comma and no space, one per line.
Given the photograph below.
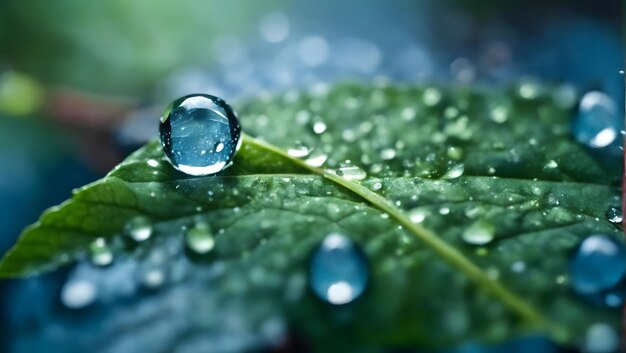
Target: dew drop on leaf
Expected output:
[199,239]
[299,150]
[480,232]
[614,215]
[319,127]
[598,264]
[417,215]
[455,171]
[200,134]
[338,270]
[100,253]
[598,123]
[317,160]
[138,228]
[351,172]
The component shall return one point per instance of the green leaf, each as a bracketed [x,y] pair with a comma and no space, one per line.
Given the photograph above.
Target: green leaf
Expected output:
[452,160]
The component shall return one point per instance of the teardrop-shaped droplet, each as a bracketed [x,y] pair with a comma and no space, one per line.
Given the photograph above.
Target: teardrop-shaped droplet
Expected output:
[351,172]
[598,264]
[614,215]
[200,134]
[138,228]
[199,239]
[598,123]
[339,270]
[299,150]
[100,253]
[455,171]
[317,160]
[480,232]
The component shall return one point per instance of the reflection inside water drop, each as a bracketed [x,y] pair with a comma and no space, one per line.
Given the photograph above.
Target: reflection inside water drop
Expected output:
[338,270]
[138,228]
[199,239]
[100,253]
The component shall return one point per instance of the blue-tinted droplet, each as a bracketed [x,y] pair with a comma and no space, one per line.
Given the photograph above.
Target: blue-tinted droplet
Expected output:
[598,123]
[598,265]
[200,134]
[339,270]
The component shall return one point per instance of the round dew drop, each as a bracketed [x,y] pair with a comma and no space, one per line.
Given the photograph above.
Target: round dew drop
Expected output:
[598,265]
[138,229]
[339,270]
[199,239]
[200,134]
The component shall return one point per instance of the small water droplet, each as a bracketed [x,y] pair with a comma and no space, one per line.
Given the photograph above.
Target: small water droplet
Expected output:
[598,123]
[199,238]
[138,228]
[417,215]
[598,264]
[299,151]
[351,172]
[455,171]
[552,164]
[377,185]
[444,211]
[200,134]
[338,271]
[100,253]
[77,294]
[317,160]
[153,163]
[480,232]
[614,215]
[319,127]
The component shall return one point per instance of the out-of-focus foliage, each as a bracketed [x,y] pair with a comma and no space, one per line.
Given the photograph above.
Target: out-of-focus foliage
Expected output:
[118,46]
[521,177]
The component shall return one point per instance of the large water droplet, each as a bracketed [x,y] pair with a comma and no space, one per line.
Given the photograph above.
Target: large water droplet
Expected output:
[200,239]
[598,265]
[100,253]
[614,215]
[339,270]
[479,233]
[138,228]
[351,172]
[598,123]
[200,134]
